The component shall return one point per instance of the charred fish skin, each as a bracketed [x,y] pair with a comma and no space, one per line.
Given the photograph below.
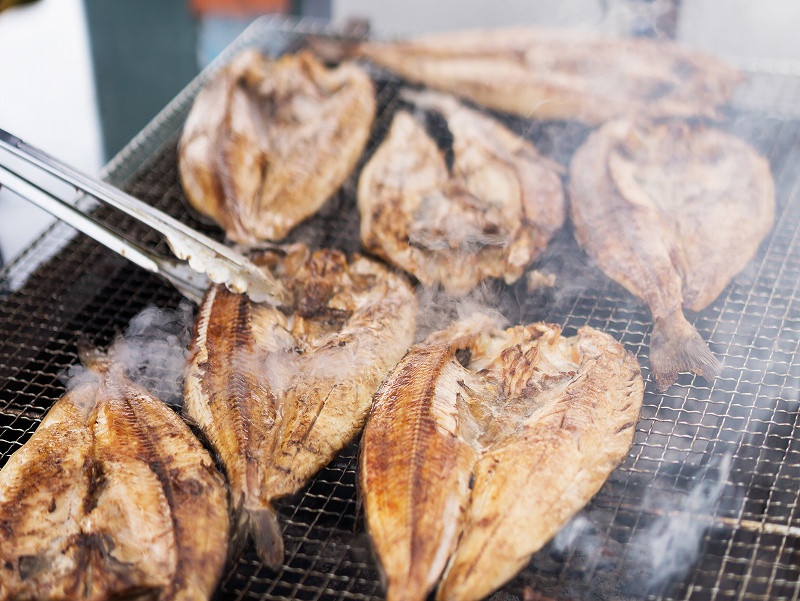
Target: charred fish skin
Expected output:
[528,425]
[267,142]
[43,488]
[561,74]
[407,444]
[279,391]
[672,212]
[137,510]
[145,447]
[233,411]
[490,216]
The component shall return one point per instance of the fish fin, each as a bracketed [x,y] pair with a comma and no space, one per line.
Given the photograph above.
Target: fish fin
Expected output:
[676,346]
[334,50]
[267,536]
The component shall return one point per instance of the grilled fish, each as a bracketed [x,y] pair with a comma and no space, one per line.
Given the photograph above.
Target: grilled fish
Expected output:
[672,212]
[482,443]
[113,497]
[561,74]
[278,392]
[490,216]
[267,142]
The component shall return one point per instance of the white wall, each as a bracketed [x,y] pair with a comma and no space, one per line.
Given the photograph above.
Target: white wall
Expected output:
[418,16]
[760,29]
[763,29]
[47,99]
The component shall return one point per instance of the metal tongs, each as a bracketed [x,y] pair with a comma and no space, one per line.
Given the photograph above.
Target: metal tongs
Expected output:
[200,260]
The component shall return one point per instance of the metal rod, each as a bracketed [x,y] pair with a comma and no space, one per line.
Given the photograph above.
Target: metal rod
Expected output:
[77,219]
[712,520]
[220,263]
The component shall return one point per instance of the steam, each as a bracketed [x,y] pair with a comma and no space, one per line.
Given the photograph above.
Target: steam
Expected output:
[437,309]
[153,350]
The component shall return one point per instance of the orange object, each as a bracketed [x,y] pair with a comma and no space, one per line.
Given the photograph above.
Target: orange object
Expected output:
[240,7]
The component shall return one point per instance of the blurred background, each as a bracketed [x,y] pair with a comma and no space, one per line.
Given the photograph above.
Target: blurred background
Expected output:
[81,77]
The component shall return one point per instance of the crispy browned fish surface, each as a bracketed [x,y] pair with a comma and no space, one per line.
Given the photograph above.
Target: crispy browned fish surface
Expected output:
[490,216]
[482,443]
[672,212]
[279,391]
[267,142]
[113,497]
[561,74]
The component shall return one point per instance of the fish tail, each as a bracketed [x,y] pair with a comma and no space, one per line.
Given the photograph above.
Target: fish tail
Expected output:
[676,346]
[262,523]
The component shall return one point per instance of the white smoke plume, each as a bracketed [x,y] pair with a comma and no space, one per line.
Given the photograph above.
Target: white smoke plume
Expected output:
[437,309]
[667,548]
[672,542]
[153,348]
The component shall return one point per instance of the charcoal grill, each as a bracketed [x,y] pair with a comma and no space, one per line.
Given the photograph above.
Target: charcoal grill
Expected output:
[733,442]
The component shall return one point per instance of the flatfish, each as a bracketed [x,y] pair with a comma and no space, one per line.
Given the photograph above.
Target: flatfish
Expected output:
[561,74]
[672,211]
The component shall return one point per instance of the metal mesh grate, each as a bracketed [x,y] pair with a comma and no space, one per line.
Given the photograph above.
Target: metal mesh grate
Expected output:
[716,466]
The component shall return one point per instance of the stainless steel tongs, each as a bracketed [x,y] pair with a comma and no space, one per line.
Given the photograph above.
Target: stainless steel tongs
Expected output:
[200,260]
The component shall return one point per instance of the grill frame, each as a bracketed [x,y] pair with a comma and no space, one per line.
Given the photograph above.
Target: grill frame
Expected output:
[65,286]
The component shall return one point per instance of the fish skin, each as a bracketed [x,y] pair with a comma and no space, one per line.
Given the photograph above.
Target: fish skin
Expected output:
[304,375]
[490,216]
[191,492]
[267,142]
[559,74]
[503,446]
[672,212]
[411,523]
[133,508]
[58,453]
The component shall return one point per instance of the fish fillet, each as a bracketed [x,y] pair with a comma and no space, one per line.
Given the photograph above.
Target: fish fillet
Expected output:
[490,216]
[279,391]
[112,497]
[267,142]
[673,212]
[561,74]
[482,443]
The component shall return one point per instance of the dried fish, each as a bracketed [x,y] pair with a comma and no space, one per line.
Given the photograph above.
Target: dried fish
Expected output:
[562,74]
[112,497]
[490,216]
[279,391]
[672,211]
[482,443]
[267,142]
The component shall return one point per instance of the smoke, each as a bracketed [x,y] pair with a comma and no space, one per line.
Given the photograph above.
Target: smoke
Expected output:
[437,309]
[672,542]
[153,348]
[664,550]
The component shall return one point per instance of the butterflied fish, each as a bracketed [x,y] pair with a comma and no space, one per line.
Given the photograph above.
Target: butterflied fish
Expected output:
[267,142]
[482,443]
[278,392]
[112,497]
[490,215]
[673,212]
[561,74]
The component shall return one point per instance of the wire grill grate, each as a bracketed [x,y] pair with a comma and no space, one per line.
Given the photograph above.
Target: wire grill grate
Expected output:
[735,439]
